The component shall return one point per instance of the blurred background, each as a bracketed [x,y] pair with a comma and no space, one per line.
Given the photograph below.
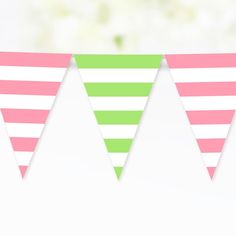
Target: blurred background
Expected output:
[118,26]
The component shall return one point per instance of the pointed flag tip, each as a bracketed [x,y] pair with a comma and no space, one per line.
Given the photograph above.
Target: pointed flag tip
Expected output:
[211,171]
[23,170]
[118,171]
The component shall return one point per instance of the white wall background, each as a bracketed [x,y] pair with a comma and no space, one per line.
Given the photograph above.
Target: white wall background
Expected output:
[71,188]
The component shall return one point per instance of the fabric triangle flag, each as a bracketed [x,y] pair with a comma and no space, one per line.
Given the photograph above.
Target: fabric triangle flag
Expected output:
[28,86]
[207,86]
[118,87]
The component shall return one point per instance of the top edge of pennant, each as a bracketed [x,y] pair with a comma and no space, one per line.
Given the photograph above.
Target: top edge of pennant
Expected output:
[176,61]
[118,61]
[34,59]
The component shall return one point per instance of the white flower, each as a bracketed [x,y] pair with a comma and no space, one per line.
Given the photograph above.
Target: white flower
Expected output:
[130,26]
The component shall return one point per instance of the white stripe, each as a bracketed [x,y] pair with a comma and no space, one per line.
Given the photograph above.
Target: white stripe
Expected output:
[23,158]
[211,159]
[24,130]
[26,101]
[118,75]
[210,131]
[118,159]
[204,75]
[209,103]
[118,131]
[31,73]
[118,103]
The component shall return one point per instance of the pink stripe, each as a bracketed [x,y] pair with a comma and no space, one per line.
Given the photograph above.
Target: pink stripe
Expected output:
[211,171]
[210,117]
[23,170]
[207,89]
[34,59]
[211,145]
[28,87]
[201,60]
[24,116]
[24,144]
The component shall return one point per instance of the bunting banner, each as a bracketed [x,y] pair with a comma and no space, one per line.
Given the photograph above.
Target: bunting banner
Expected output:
[207,87]
[28,86]
[118,87]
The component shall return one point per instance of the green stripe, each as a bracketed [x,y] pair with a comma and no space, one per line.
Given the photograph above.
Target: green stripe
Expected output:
[118,145]
[118,89]
[118,117]
[118,61]
[118,171]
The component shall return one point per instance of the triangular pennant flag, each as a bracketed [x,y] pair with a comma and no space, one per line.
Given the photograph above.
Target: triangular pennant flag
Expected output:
[28,86]
[207,86]
[118,87]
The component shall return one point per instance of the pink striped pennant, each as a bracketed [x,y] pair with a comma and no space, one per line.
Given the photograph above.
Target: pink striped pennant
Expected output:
[29,83]
[207,87]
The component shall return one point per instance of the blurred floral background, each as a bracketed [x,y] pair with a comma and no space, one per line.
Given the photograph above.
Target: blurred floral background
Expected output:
[118,26]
